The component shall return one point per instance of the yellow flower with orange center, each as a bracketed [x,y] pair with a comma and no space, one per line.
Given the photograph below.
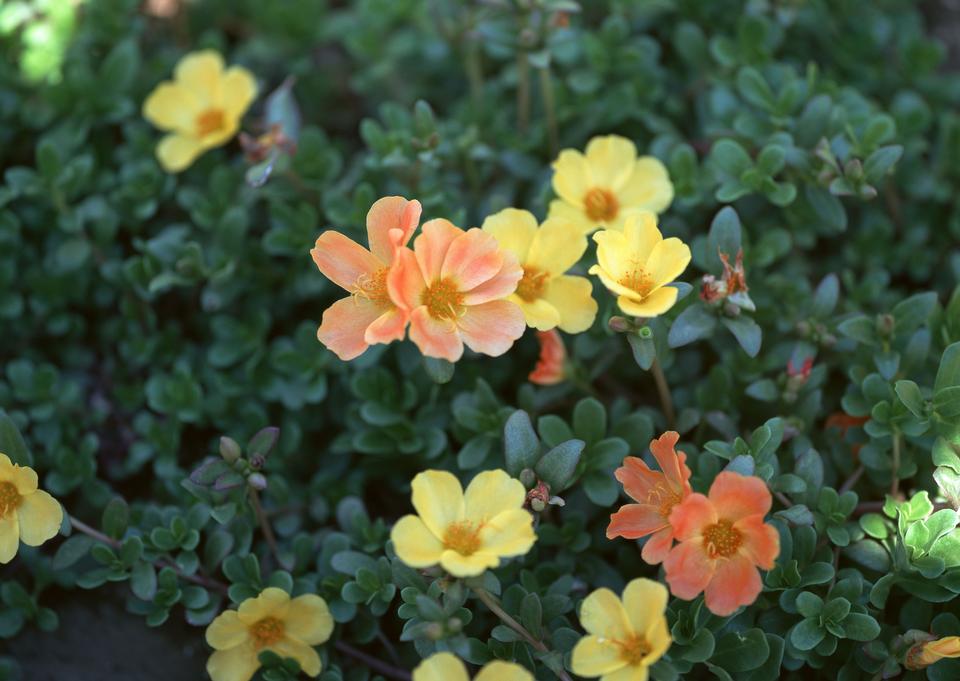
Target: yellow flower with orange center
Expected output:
[624,637]
[273,621]
[200,108]
[464,532]
[27,514]
[608,184]
[447,667]
[637,264]
[548,296]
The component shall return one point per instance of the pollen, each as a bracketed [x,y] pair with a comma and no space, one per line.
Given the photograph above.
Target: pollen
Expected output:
[462,537]
[442,299]
[634,650]
[530,287]
[209,121]
[9,498]
[637,279]
[373,288]
[601,205]
[266,632]
[664,497]
[721,540]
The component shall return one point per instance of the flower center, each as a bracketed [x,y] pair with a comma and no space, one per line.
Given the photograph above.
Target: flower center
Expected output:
[9,498]
[209,121]
[374,288]
[665,497]
[462,537]
[531,286]
[442,299]
[634,650]
[600,204]
[266,632]
[637,279]
[722,540]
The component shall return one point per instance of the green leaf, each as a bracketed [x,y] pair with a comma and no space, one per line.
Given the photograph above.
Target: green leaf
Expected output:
[910,396]
[557,466]
[644,350]
[439,370]
[730,157]
[71,551]
[860,328]
[691,325]
[12,443]
[589,420]
[741,651]
[116,517]
[879,163]
[860,627]
[746,331]
[143,581]
[948,373]
[724,237]
[807,634]
[520,442]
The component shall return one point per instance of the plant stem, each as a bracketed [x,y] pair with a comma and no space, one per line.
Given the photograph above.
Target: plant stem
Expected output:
[373,663]
[782,498]
[663,389]
[266,528]
[895,483]
[546,89]
[494,606]
[852,480]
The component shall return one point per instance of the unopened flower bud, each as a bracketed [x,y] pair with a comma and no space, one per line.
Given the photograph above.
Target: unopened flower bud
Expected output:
[731,309]
[257,481]
[528,477]
[886,324]
[645,333]
[619,324]
[229,449]
[454,625]
[434,631]
[804,328]
[538,505]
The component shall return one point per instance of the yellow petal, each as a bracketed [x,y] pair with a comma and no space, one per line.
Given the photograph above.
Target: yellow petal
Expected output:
[235,664]
[596,655]
[648,187]
[271,602]
[9,537]
[308,619]
[172,107]
[467,566]
[612,284]
[654,304]
[5,464]
[627,673]
[642,235]
[40,517]
[441,667]
[502,671]
[177,152]
[658,636]
[307,657]
[200,73]
[574,215]
[539,314]
[238,90]
[611,160]
[645,601]
[668,260]
[513,229]
[557,246]
[573,299]
[23,478]
[509,533]
[602,614]
[438,499]
[571,177]
[613,253]
[490,493]
[226,631]
[414,543]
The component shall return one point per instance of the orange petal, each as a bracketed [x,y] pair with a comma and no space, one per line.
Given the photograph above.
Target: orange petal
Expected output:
[687,569]
[689,517]
[736,582]
[665,452]
[638,479]
[633,521]
[404,282]
[435,337]
[658,546]
[550,366]
[345,324]
[501,285]
[472,259]
[386,214]
[388,327]
[736,496]
[342,260]
[492,328]
[432,244]
[761,542]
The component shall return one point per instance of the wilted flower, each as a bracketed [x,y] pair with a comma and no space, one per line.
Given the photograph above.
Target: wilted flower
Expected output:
[27,514]
[550,368]
[448,667]
[731,284]
[925,653]
[608,184]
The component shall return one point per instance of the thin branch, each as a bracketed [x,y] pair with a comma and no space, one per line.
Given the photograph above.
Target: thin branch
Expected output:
[373,663]
[663,389]
[782,498]
[852,480]
[265,527]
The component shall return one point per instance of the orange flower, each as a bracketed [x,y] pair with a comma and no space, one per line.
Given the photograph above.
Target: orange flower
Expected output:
[368,316]
[723,540]
[656,495]
[926,653]
[549,369]
[452,285]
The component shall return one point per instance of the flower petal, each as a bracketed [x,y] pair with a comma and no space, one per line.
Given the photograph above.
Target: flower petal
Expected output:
[642,236]
[658,546]
[575,215]
[236,664]
[414,543]
[491,493]
[200,73]
[309,619]
[557,246]
[472,259]
[391,212]
[668,260]
[388,327]
[498,670]
[645,602]
[538,314]
[226,631]
[404,280]
[737,496]
[343,261]
[501,285]
[573,299]
[633,521]
[23,478]
[271,602]
[690,516]
[611,160]
[441,667]
[602,614]
[672,463]
[435,337]
[432,245]
[9,537]
[176,152]
[468,566]
[172,107]
[571,177]
[238,89]
[687,569]
[652,305]
[736,582]
[648,186]
[301,652]
[40,517]
[638,479]
[628,673]
[507,534]
[549,369]
[596,655]
[513,229]
[658,636]
[438,498]
[761,542]
[344,326]
[491,328]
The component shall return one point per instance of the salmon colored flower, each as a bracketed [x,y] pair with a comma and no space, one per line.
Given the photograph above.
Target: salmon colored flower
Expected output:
[550,368]
[548,297]
[448,667]
[624,637]
[608,184]
[465,533]
[27,514]
[453,286]
[924,654]
[368,316]
[723,540]
[271,621]
[656,495]
[637,264]
[201,107]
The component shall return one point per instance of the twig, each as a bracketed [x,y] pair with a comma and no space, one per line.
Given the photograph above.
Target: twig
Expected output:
[782,498]
[265,527]
[663,389]
[852,480]
[373,663]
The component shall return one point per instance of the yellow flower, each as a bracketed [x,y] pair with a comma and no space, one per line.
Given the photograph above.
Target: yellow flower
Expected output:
[925,654]
[624,637]
[447,667]
[466,533]
[638,263]
[608,184]
[201,107]
[271,621]
[27,514]
[548,297]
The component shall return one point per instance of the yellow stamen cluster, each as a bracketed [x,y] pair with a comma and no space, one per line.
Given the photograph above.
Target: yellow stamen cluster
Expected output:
[266,632]
[442,299]
[462,537]
[637,279]
[531,286]
[374,288]
[721,539]
[601,204]
[634,649]
[209,121]
[9,498]
[664,497]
